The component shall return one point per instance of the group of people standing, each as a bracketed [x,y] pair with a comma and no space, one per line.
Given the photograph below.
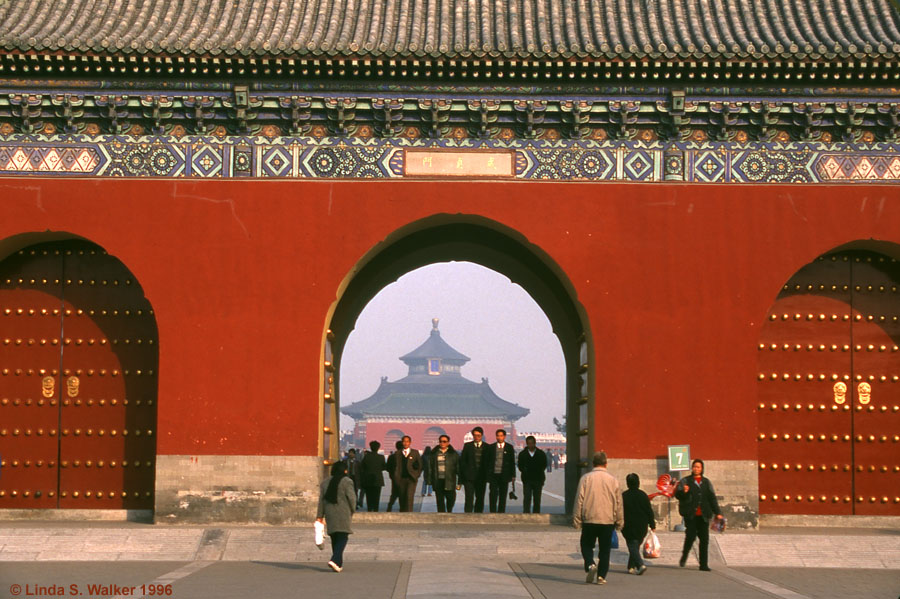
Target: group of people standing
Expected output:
[479,468]
[600,510]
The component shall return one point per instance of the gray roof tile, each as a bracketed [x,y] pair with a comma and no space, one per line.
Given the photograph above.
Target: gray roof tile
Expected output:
[427,396]
[456,28]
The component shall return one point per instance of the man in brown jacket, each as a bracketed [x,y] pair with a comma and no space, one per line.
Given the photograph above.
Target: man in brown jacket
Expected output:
[598,513]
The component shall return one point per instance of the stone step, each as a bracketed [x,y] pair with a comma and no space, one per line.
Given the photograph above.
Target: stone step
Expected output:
[459,518]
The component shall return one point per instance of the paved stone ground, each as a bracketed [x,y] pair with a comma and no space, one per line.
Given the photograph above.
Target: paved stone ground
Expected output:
[458,559]
[496,579]
[521,542]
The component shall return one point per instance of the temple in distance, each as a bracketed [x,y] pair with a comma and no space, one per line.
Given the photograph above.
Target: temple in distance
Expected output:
[431,400]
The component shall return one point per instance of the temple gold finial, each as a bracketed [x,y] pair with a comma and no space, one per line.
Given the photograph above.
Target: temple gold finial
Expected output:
[434,323]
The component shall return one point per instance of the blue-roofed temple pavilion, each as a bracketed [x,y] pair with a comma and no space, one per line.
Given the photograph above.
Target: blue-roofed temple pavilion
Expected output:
[432,400]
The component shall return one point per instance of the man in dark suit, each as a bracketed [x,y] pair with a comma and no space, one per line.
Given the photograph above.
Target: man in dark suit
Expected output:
[533,466]
[372,475]
[472,473]
[353,473]
[500,459]
[390,466]
[406,473]
[696,503]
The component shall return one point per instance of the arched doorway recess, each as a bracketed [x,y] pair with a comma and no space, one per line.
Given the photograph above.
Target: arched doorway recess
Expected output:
[78,365]
[445,238]
[829,387]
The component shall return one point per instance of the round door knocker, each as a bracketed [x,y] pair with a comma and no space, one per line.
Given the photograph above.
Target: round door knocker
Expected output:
[840,392]
[864,390]
[72,384]
[48,386]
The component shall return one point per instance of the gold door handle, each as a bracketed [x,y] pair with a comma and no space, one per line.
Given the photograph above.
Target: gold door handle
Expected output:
[48,386]
[864,391]
[840,392]
[72,385]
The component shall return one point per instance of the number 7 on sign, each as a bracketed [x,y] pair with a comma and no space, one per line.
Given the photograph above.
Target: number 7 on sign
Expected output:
[679,457]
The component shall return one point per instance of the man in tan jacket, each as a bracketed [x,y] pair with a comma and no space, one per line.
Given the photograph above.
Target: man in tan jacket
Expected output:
[598,513]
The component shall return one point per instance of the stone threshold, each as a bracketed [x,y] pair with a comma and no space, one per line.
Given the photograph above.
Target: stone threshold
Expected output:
[818,521]
[23,515]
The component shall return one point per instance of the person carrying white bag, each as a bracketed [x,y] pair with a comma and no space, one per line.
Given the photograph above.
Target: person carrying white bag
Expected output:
[337,502]
[638,517]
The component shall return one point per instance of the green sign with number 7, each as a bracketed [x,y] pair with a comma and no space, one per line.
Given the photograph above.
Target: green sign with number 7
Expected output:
[679,457]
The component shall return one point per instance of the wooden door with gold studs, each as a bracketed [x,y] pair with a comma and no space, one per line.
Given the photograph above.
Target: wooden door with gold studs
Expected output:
[805,452]
[106,360]
[30,354]
[824,446]
[876,384]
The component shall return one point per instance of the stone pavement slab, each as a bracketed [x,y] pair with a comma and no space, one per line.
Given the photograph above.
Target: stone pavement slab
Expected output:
[566,581]
[824,583]
[557,581]
[457,578]
[262,579]
[102,544]
[813,551]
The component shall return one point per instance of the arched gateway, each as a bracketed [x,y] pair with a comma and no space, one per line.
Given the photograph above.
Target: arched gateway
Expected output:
[78,361]
[829,389]
[445,238]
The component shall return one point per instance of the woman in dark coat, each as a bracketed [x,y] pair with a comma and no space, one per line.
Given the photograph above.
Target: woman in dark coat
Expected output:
[638,516]
[337,502]
[443,466]
[697,504]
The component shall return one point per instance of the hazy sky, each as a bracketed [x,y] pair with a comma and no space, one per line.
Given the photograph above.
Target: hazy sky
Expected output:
[483,315]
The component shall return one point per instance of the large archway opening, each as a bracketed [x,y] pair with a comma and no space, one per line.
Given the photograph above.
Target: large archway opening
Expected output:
[829,387]
[78,364]
[449,238]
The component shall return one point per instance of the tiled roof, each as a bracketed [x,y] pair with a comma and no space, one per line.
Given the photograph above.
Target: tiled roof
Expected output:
[435,347]
[455,28]
[423,396]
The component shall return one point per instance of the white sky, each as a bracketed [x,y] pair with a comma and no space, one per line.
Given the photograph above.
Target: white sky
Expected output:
[482,315]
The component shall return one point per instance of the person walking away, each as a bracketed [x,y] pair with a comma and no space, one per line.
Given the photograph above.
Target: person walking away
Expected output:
[337,502]
[696,503]
[443,466]
[501,467]
[533,465]
[426,484]
[371,474]
[391,466]
[408,467]
[638,517]
[549,461]
[598,513]
[472,473]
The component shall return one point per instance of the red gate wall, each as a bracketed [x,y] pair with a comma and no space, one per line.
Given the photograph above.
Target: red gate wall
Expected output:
[675,279]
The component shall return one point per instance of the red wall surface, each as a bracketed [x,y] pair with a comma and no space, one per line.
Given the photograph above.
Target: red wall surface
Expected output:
[377,431]
[675,280]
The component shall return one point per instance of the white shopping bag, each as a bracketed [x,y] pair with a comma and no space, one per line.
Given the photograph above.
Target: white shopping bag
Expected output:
[320,534]
[652,548]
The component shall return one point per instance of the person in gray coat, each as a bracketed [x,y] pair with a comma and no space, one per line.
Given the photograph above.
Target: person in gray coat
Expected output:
[337,502]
